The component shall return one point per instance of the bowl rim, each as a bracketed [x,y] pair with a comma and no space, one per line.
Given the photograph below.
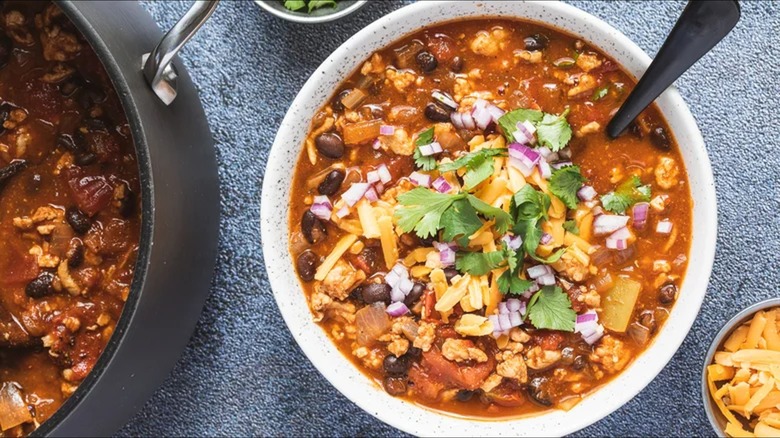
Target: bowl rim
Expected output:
[298,17]
[713,415]
[387,408]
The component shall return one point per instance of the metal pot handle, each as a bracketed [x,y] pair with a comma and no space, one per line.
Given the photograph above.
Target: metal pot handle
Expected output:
[158,70]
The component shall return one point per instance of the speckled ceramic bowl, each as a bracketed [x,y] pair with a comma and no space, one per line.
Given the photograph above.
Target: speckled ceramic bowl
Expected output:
[314,341]
[319,15]
[717,420]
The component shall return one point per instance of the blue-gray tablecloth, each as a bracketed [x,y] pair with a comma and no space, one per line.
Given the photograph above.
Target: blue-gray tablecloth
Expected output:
[243,374]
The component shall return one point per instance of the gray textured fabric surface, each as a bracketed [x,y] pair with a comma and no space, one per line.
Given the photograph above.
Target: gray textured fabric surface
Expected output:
[242,372]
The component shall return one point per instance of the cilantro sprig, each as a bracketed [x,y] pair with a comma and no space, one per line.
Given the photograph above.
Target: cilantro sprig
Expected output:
[628,193]
[295,5]
[529,208]
[478,164]
[457,215]
[552,130]
[565,182]
[550,308]
[423,162]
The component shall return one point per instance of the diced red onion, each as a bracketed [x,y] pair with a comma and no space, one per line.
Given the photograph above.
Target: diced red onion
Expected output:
[386,130]
[420,179]
[372,177]
[639,215]
[515,319]
[342,212]
[546,280]
[436,146]
[545,239]
[379,187]
[322,210]
[531,290]
[502,308]
[441,185]
[371,195]
[445,100]
[396,295]
[384,173]
[512,242]
[544,169]
[494,320]
[397,309]
[590,315]
[481,114]
[376,144]
[544,151]
[462,120]
[495,112]
[513,304]
[426,150]
[354,193]
[447,257]
[587,193]
[608,223]
[322,199]
[392,279]
[663,227]
[526,155]
[522,167]
[525,133]
[405,285]
[595,336]
[504,322]
[597,211]
[537,271]
[619,239]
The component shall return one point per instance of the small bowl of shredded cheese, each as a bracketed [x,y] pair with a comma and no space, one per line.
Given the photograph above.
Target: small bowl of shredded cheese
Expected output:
[741,379]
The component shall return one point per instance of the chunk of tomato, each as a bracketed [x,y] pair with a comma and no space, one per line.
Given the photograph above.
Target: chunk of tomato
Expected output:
[91,193]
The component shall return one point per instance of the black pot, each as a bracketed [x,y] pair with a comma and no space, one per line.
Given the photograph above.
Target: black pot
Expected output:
[180,198]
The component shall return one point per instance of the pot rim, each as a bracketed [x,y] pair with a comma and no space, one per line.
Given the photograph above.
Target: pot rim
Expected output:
[337,368]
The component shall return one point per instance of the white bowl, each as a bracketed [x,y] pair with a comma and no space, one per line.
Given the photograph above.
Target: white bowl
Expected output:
[319,15]
[339,370]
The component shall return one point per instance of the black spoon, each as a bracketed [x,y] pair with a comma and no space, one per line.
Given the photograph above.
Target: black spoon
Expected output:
[700,27]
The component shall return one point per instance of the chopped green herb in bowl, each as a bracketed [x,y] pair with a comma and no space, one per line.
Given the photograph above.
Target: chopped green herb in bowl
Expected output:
[310,11]
[299,5]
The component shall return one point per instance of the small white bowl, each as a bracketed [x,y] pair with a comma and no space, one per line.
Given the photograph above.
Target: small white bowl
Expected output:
[319,15]
[315,342]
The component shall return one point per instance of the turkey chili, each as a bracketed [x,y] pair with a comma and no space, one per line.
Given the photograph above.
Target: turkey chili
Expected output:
[467,233]
[69,212]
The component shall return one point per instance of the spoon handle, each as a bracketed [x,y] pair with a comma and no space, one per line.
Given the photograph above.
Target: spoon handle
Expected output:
[700,27]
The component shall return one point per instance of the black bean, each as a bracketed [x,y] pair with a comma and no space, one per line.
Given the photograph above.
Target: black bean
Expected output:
[464,395]
[70,143]
[312,227]
[660,139]
[647,319]
[6,47]
[307,265]
[449,273]
[91,96]
[97,124]
[375,293]
[77,220]
[426,61]
[413,353]
[86,159]
[579,363]
[332,182]
[538,392]
[667,294]
[71,85]
[414,294]
[330,145]
[436,113]
[456,65]
[336,104]
[40,286]
[396,366]
[9,171]
[75,254]
[536,41]
[394,385]
[5,113]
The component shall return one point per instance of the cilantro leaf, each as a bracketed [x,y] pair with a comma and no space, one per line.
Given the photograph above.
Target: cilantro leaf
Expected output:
[565,182]
[528,203]
[314,4]
[502,218]
[479,166]
[571,226]
[600,93]
[479,263]
[423,162]
[550,308]
[627,194]
[422,211]
[508,122]
[554,131]
[460,219]
[294,5]
[510,284]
